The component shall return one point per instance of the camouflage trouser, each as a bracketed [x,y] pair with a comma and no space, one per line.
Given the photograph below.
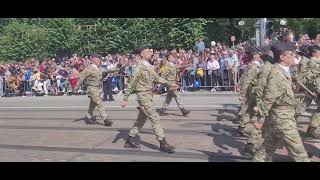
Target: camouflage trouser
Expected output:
[246,111]
[94,93]
[315,119]
[281,129]
[146,111]
[256,136]
[172,94]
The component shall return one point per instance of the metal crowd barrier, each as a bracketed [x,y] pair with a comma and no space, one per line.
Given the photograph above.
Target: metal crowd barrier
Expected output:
[223,80]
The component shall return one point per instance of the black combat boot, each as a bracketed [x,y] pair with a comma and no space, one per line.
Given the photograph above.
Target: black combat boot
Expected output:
[185,112]
[162,112]
[241,131]
[165,147]
[249,149]
[130,143]
[107,122]
[90,120]
[311,132]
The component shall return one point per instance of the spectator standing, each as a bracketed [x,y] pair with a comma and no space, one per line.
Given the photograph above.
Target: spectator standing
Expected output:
[200,47]
[213,68]
[232,66]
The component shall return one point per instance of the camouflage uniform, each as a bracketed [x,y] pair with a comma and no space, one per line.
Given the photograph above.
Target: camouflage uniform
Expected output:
[170,74]
[142,83]
[93,76]
[248,100]
[278,104]
[255,137]
[312,75]
[298,72]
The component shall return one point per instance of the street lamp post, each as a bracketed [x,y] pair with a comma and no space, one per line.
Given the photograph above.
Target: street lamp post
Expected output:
[241,24]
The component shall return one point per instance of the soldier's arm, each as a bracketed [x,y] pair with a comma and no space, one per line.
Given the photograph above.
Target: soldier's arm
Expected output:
[111,70]
[157,79]
[272,92]
[182,66]
[251,73]
[133,81]
[82,76]
[309,72]
[261,82]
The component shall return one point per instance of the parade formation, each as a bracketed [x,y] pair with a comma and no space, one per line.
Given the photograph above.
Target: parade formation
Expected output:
[278,85]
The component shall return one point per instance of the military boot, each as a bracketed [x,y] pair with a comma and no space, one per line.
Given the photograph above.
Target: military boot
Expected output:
[311,132]
[107,122]
[249,149]
[162,112]
[165,147]
[130,143]
[241,131]
[89,119]
[185,112]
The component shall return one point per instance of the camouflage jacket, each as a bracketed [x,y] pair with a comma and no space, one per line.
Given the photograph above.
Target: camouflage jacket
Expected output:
[169,72]
[312,75]
[249,78]
[262,77]
[278,91]
[93,77]
[299,70]
[143,79]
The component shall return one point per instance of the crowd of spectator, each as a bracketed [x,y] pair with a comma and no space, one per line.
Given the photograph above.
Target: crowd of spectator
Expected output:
[213,68]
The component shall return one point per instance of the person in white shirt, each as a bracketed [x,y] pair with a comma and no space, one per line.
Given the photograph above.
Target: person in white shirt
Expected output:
[233,64]
[213,68]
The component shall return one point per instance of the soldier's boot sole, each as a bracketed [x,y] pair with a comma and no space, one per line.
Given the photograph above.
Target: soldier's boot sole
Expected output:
[131,144]
[165,147]
[185,112]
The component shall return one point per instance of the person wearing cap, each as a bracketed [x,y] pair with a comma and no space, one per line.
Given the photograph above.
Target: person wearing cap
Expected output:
[278,107]
[255,137]
[142,82]
[247,82]
[169,73]
[93,76]
[312,74]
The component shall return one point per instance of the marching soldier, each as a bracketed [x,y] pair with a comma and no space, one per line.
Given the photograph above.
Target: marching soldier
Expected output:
[170,74]
[298,74]
[278,103]
[312,75]
[142,83]
[93,76]
[247,82]
[255,137]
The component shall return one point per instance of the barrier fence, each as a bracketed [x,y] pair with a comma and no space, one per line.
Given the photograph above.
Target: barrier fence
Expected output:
[214,80]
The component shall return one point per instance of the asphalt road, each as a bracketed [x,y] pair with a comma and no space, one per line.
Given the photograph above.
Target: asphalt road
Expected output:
[52,129]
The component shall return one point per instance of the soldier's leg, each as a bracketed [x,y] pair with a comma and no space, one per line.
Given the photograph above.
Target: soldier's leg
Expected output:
[141,120]
[314,123]
[166,102]
[269,145]
[177,97]
[294,144]
[92,105]
[103,114]
[168,99]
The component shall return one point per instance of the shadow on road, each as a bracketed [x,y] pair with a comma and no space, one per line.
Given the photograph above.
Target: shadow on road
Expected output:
[123,134]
